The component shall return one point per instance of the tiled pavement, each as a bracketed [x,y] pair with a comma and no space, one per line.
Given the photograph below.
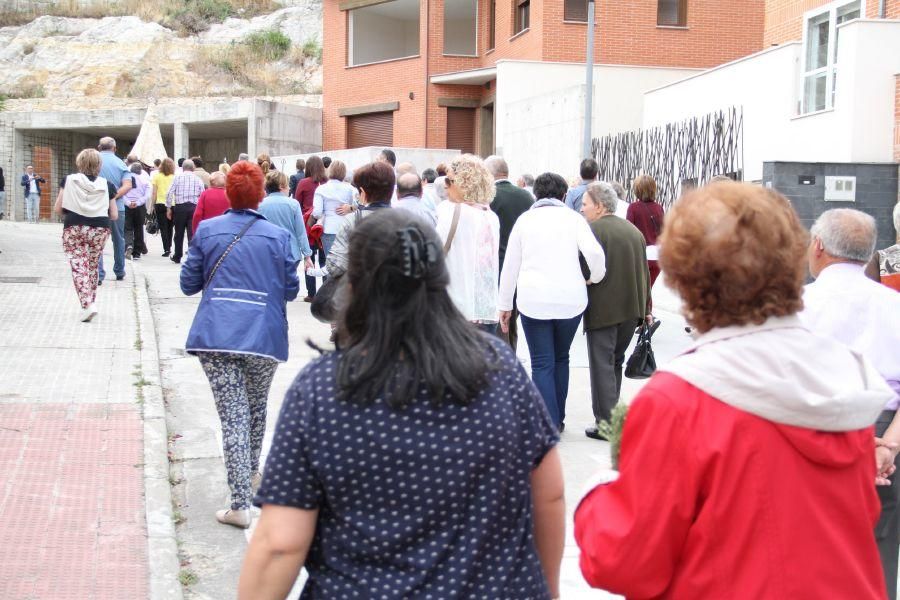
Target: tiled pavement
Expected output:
[72,521]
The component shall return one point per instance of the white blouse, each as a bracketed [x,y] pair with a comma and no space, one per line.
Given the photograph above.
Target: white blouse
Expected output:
[473,260]
[542,263]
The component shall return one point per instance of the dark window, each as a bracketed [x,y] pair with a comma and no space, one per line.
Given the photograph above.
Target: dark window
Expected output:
[492,25]
[523,15]
[671,13]
[372,129]
[575,10]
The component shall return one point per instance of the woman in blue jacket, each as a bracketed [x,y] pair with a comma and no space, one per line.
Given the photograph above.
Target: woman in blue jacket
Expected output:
[245,268]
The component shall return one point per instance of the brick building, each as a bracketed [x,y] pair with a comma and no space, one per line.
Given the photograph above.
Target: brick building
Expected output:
[465,74]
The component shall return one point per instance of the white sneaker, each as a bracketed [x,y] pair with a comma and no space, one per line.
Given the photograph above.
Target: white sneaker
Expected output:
[237,518]
[88,313]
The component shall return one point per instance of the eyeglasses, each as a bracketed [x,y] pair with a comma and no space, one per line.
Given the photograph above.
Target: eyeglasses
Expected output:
[448,181]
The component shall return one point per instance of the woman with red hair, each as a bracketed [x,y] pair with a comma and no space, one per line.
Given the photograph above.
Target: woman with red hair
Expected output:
[245,268]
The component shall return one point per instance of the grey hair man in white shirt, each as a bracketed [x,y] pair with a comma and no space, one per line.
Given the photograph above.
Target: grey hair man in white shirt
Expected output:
[845,305]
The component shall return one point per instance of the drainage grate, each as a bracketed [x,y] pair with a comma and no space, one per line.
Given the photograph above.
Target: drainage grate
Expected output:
[20,279]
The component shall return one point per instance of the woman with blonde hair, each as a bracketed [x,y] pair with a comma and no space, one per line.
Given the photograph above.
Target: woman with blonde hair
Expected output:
[160,183]
[264,162]
[470,233]
[224,168]
[87,204]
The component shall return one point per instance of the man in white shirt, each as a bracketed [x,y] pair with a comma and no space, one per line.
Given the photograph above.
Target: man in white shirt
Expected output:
[621,203]
[526,182]
[847,306]
[409,197]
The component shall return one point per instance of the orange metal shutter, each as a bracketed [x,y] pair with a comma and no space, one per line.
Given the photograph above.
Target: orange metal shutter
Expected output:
[461,129]
[372,129]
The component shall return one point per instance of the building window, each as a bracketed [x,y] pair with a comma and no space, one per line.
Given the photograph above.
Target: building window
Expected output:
[575,10]
[385,31]
[820,53]
[671,13]
[460,29]
[492,25]
[523,16]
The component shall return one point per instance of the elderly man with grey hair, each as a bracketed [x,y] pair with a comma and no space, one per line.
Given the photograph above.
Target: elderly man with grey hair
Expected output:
[114,170]
[510,202]
[621,203]
[181,201]
[843,304]
[617,304]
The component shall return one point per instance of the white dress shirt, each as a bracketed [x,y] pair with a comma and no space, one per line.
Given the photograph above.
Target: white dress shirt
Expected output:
[326,200]
[844,304]
[542,263]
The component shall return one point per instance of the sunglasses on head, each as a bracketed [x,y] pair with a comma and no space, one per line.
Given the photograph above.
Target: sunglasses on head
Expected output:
[448,181]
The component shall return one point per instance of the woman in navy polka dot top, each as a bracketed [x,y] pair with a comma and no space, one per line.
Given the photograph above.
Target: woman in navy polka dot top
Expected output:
[417,461]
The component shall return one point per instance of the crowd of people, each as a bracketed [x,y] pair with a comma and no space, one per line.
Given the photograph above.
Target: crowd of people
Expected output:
[418,457]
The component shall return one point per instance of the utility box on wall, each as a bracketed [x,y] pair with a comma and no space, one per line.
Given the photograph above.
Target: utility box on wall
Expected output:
[814,188]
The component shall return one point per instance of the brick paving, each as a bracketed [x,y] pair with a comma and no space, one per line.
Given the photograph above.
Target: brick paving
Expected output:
[72,520]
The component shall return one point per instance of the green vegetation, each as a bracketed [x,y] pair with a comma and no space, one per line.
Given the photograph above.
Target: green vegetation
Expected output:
[270,45]
[187,577]
[312,49]
[612,430]
[195,16]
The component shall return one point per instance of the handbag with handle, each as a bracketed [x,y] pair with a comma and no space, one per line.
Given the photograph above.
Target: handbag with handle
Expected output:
[642,364]
[151,225]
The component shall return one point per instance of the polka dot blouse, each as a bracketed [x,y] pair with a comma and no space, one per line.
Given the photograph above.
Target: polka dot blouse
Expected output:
[424,502]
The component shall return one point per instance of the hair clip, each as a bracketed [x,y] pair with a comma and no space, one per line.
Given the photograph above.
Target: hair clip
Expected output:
[418,254]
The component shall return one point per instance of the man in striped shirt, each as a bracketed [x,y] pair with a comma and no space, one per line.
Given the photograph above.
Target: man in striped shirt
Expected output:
[180,204]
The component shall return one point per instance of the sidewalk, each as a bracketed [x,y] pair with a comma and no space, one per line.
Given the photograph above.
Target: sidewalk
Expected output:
[72,507]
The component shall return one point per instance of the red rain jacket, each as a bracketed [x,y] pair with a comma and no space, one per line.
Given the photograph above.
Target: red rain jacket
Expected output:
[713,502]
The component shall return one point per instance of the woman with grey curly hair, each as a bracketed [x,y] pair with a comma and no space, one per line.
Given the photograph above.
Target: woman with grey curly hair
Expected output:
[470,232]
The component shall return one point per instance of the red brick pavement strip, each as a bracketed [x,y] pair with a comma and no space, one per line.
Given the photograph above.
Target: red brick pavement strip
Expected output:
[71,504]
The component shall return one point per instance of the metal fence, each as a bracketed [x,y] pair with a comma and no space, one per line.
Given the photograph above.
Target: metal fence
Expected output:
[678,155]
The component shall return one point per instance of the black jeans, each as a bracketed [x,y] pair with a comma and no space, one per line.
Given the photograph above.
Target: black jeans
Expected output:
[165,227]
[887,530]
[606,355]
[134,229]
[183,215]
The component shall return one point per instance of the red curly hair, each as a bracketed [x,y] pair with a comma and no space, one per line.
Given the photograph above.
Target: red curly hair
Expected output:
[735,253]
[245,185]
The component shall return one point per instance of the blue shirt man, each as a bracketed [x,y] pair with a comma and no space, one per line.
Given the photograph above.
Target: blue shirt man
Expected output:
[589,169]
[114,170]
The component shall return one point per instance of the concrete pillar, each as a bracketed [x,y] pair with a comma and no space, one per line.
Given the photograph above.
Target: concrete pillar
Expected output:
[181,142]
[251,131]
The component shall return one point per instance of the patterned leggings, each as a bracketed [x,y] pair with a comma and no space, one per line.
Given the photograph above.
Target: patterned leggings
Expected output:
[83,246]
[240,386]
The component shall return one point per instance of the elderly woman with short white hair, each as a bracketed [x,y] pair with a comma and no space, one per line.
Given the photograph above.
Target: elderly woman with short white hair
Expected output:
[470,232]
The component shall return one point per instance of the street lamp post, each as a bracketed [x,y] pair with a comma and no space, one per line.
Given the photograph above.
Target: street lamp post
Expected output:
[589,82]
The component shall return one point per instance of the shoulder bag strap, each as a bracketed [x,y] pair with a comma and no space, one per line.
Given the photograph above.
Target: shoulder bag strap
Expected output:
[453,226]
[236,239]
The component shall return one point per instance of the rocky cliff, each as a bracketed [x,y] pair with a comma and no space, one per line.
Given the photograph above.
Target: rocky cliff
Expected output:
[84,62]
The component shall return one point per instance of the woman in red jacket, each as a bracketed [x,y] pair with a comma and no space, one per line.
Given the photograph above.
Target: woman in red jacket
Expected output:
[647,215]
[748,464]
[212,202]
[316,175]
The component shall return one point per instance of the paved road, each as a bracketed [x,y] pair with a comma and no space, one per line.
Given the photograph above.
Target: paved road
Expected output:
[213,552]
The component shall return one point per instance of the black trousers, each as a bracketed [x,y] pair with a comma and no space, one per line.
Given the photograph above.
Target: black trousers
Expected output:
[165,227]
[887,531]
[311,281]
[183,215]
[134,229]
[606,355]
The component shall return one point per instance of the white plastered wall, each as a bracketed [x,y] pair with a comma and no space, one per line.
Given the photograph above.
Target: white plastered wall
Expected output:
[539,110]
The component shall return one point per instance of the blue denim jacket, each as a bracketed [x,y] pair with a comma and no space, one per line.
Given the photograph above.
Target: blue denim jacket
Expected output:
[244,309]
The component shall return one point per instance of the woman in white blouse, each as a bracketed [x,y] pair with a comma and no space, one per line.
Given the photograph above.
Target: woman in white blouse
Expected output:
[542,267]
[470,232]
[328,198]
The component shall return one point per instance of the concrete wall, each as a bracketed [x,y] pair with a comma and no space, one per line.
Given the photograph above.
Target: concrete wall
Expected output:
[858,129]
[354,158]
[539,110]
[279,129]
[876,191]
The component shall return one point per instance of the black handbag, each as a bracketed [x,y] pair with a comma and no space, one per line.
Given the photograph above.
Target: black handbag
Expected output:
[642,364]
[324,305]
[151,225]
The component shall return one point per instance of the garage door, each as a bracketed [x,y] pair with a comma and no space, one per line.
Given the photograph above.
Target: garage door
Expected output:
[461,129]
[372,129]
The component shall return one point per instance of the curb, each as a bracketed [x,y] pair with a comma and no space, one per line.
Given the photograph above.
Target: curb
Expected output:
[162,548]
